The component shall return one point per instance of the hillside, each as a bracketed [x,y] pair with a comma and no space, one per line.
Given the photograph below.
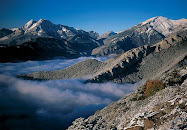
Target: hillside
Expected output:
[80,70]
[164,109]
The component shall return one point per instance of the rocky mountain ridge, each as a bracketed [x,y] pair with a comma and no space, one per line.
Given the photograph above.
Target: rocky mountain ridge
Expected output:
[131,66]
[83,43]
[132,57]
[40,28]
[148,32]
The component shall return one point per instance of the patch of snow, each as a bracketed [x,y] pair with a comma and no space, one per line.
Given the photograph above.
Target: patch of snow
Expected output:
[14,29]
[164,25]
[149,20]
[179,22]
[64,29]
[29,24]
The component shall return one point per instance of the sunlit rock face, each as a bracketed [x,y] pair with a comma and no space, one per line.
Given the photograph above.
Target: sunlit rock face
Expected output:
[148,32]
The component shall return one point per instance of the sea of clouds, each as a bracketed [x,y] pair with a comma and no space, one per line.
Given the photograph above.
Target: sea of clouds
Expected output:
[52,104]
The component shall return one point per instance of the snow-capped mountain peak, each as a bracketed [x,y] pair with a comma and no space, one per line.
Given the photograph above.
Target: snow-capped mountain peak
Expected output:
[182,21]
[149,20]
[29,24]
[45,28]
[42,24]
[165,25]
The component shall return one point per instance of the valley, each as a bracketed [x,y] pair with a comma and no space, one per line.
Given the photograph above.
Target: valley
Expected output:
[60,77]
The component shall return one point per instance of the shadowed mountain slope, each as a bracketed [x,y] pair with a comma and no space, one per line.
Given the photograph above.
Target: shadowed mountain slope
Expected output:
[4,32]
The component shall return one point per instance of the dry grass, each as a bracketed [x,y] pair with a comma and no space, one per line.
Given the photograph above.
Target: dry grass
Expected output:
[153,86]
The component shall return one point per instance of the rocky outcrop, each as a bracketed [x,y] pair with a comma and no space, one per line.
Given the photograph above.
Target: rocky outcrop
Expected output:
[123,62]
[167,109]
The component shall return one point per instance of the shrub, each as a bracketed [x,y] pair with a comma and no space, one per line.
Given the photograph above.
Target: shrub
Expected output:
[153,86]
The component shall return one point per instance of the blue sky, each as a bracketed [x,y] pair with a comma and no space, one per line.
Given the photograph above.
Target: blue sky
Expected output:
[98,15]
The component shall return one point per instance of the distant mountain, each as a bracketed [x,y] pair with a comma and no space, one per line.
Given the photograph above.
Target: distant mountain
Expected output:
[41,28]
[85,43]
[36,36]
[106,35]
[38,49]
[148,32]
[4,32]
[93,34]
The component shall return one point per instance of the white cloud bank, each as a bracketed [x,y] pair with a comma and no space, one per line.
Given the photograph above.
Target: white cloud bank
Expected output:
[60,100]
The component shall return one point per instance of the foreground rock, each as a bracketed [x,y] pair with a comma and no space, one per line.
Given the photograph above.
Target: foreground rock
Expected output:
[166,109]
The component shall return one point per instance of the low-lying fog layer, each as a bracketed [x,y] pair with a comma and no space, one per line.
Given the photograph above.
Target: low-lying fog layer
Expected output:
[51,104]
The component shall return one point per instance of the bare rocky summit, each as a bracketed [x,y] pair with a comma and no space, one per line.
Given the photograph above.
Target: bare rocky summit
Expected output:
[148,32]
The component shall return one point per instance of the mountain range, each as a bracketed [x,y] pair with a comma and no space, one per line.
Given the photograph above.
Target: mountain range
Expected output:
[69,42]
[128,67]
[148,32]
[152,52]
